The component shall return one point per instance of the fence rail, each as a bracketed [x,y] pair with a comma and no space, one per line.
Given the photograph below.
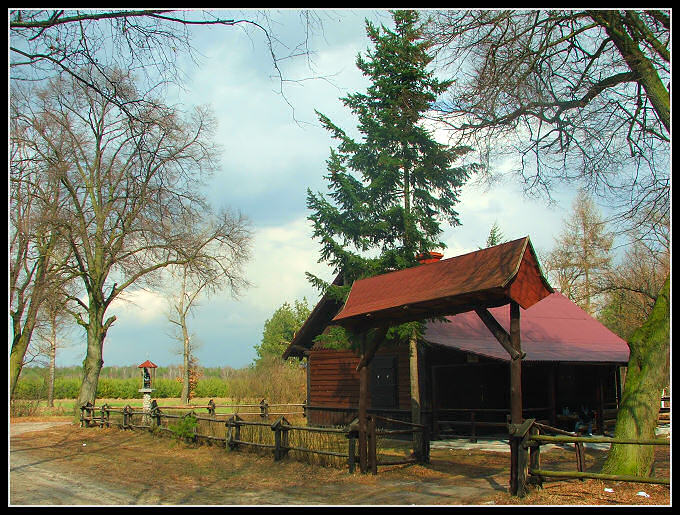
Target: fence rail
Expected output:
[529,439]
[230,431]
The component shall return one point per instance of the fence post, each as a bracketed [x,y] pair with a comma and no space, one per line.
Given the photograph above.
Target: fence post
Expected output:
[229,441]
[193,414]
[102,411]
[372,446]
[351,451]
[304,408]
[519,457]
[580,461]
[284,437]
[155,413]
[211,408]
[234,434]
[264,409]
[534,458]
[426,445]
[276,427]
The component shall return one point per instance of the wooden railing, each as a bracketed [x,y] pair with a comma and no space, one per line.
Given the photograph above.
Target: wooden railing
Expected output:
[445,419]
[282,446]
[229,430]
[530,435]
[264,410]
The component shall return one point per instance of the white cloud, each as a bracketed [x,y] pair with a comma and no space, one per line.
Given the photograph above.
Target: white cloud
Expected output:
[139,306]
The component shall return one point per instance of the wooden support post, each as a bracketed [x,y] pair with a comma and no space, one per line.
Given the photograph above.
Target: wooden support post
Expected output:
[515,366]
[426,445]
[351,450]
[435,404]
[515,398]
[372,447]
[211,408]
[522,468]
[415,395]
[363,407]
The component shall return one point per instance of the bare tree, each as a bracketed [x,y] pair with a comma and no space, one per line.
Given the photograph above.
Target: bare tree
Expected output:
[133,194]
[631,288]
[37,254]
[220,269]
[581,97]
[577,95]
[87,44]
[52,330]
[581,258]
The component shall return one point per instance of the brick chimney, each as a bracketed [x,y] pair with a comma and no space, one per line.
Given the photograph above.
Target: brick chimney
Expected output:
[429,257]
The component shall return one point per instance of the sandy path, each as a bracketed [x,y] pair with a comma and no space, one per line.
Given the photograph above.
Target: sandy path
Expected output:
[42,478]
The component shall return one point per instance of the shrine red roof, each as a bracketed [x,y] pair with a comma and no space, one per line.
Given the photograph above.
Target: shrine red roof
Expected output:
[148,364]
[555,329]
[486,278]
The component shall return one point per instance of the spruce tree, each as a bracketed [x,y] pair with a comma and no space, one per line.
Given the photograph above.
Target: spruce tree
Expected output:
[390,190]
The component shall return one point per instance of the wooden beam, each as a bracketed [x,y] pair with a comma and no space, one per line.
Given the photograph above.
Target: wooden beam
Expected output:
[377,338]
[515,401]
[363,408]
[515,367]
[497,330]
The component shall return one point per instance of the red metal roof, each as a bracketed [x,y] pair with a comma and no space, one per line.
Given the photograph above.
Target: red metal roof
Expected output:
[485,278]
[554,329]
[148,364]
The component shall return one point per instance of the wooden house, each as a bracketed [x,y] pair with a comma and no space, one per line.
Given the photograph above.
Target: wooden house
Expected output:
[569,359]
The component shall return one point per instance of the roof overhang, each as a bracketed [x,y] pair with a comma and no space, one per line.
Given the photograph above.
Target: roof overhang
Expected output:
[483,279]
[316,322]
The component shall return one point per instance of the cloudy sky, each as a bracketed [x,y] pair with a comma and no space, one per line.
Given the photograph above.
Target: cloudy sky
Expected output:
[272,154]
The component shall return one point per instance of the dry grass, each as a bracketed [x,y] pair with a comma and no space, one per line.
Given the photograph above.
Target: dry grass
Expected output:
[180,473]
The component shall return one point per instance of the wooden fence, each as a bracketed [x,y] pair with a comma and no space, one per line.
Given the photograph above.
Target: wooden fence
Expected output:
[530,435]
[281,436]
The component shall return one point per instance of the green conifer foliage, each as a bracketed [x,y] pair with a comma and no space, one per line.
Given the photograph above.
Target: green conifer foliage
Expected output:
[390,190]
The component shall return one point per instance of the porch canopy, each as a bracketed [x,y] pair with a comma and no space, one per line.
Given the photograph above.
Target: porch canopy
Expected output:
[476,281]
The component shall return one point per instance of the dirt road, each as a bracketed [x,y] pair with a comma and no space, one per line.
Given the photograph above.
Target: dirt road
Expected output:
[61,464]
[58,464]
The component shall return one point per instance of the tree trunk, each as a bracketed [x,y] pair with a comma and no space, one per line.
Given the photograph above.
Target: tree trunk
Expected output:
[53,365]
[415,394]
[647,375]
[93,362]
[20,341]
[187,350]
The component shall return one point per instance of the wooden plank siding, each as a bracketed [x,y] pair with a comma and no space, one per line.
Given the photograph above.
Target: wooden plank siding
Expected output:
[334,381]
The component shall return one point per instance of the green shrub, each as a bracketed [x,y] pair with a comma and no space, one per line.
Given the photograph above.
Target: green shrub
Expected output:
[211,387]
[185,427]
[32,389]
[165,388]
[66,388]
[118,388]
